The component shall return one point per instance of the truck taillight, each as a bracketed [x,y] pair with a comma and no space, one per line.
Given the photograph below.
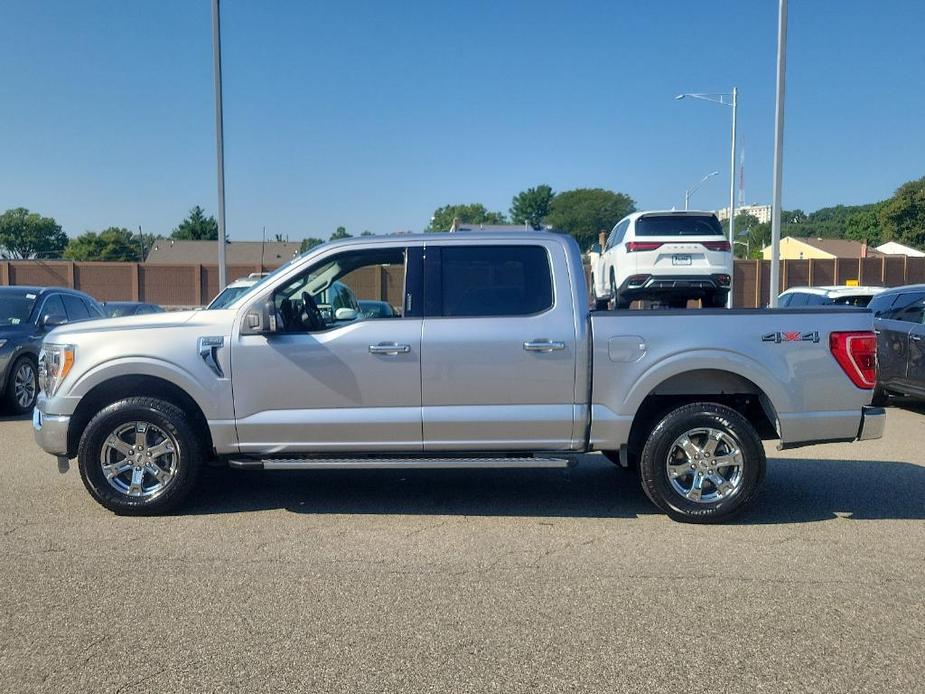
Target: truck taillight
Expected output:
[636,246]
[716,245]
[856,353]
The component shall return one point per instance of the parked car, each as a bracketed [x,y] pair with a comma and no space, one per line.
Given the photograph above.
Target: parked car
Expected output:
[117,309]
[236,289]
[669,257]
[377,309]
[26,314]
[899,321]
[495,362]
[796,297]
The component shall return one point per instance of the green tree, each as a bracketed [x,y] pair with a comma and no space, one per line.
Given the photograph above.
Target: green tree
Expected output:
[367,232]
[114,243]
[903,216]
[309,243]
[474,213]
[25,234]
[532,205]
[196,227]
[586,211]
[748,235]
[340,233]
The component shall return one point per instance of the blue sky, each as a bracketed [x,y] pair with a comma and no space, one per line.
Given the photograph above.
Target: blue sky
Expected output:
[371,114]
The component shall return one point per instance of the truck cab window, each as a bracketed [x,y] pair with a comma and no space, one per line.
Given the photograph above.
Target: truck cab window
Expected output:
[495,281]
[326,295]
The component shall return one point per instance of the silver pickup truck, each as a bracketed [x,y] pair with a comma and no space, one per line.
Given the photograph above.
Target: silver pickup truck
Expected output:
[492,360]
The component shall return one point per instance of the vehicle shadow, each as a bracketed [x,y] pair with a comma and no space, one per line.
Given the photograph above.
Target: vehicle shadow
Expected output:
[795,491]
[6,417]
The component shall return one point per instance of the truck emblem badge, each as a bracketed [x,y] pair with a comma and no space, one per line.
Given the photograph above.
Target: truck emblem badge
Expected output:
[791,336]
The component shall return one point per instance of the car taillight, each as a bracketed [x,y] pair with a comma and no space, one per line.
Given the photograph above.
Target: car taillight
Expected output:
[856,353]
[635,246]
[716,245]
[723,280]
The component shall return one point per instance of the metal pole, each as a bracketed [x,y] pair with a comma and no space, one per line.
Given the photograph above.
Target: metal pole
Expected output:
[687,197]
[778,152]
[219,140]
[732,195]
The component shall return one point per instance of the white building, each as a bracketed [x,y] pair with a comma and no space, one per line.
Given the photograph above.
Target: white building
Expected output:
[893,248]
[761,212]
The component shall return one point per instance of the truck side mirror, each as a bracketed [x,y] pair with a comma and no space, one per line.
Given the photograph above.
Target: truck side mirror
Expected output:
[271,322]
[50,321]
[261,319]
[345,314]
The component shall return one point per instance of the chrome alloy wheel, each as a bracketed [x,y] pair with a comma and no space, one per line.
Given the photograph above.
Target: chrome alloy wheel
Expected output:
[24,384]
[139,459]
[705,465]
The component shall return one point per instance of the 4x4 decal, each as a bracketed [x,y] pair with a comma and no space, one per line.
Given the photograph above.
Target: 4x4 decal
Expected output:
[791,336]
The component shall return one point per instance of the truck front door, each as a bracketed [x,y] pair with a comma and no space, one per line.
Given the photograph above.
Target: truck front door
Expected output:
[324,384]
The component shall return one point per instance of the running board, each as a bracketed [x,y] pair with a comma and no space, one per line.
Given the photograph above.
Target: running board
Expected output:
[410,462]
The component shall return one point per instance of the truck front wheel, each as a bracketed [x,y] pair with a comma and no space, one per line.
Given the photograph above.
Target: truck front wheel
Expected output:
[702,463]
[139,456]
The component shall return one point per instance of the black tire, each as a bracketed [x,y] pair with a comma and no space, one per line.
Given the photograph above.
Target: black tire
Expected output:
[166,417]
[715,300]
[26,365]
[601,304]
[881,397]
[677,303]
[653,464]
[619,302]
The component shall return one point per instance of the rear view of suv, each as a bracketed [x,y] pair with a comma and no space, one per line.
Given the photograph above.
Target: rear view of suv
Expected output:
[669,257]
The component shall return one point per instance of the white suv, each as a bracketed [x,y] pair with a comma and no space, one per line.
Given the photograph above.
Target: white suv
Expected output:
[663,256]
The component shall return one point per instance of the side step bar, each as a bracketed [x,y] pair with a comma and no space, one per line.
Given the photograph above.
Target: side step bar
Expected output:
[410,462]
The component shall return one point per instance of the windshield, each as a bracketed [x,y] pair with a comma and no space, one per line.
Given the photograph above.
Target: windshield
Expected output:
[679,225]
[117,310]
[16,307]
[229,296]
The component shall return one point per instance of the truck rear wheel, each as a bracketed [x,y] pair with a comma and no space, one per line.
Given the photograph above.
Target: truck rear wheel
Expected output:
[139,456]
[702,463]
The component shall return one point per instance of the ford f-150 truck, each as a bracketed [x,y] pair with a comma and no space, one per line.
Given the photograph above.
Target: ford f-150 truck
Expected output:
[493,361]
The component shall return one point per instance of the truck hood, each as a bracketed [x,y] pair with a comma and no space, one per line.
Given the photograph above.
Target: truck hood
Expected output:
[215,320]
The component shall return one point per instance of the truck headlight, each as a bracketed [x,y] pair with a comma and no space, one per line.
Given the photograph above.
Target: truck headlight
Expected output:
[55,362]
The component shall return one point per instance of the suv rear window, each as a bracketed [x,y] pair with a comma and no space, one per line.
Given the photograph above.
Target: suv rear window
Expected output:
[679,225]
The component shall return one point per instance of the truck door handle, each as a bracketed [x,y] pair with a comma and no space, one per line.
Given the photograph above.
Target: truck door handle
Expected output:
[390,348]
[544,346]
[915,338]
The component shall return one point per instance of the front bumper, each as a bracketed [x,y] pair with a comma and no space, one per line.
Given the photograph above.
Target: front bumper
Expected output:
[50,431]
[873,419]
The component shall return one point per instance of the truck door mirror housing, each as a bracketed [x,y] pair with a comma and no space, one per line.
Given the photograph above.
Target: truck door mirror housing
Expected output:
[345,314]
[261,319]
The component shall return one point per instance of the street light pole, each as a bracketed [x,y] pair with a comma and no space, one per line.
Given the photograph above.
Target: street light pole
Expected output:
[732,190]
[693,189]
[732,101]
[219,139]
[778,152]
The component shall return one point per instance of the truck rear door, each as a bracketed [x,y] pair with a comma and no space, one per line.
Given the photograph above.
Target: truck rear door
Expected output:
[499,348]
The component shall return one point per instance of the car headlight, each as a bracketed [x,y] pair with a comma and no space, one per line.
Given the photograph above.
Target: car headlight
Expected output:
[55,362]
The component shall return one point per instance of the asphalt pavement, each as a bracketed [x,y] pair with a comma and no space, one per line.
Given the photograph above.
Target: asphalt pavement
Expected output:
[458,581]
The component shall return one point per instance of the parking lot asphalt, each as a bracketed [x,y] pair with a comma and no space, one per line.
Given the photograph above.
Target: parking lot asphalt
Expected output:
[457,581]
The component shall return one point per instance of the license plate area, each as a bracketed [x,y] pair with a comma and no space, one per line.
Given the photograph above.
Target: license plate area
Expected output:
[681,259]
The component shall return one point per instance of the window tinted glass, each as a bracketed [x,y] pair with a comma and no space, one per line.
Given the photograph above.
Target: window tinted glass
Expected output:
[76,310]
[54,306]
[879,304]
[783,301]
[495,280]
[908,308]
[798,299]
[678,225]
[860,300]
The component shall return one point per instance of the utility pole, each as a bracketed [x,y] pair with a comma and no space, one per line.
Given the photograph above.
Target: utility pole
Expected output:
[732,190]
[778,152]
[219,139]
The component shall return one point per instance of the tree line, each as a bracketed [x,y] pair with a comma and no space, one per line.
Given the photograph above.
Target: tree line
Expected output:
[583,213]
